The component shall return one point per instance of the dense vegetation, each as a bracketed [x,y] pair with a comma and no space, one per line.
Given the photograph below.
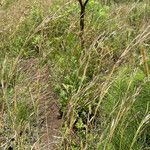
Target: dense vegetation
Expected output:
[103,87]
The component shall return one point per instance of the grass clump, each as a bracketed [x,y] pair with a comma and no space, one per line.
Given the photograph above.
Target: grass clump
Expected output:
[103,89]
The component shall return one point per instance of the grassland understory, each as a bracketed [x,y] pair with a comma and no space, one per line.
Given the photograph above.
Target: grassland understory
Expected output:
[65,87]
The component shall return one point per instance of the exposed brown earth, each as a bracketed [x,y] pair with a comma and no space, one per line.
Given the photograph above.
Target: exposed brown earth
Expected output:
[34,87]
[39,80]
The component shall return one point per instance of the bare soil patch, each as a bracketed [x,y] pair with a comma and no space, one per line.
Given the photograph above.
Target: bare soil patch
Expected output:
[38,79]
[33,86]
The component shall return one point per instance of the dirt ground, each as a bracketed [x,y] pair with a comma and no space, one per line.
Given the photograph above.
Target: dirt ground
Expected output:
[39,80]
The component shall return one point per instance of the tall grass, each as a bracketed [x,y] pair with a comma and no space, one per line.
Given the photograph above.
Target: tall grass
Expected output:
[103,90]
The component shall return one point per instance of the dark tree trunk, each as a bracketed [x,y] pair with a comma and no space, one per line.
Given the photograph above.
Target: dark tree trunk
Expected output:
[82,13]
[82,23]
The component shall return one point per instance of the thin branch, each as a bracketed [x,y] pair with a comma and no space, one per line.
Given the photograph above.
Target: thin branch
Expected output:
[80,2]
[83,4]
[86,2]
